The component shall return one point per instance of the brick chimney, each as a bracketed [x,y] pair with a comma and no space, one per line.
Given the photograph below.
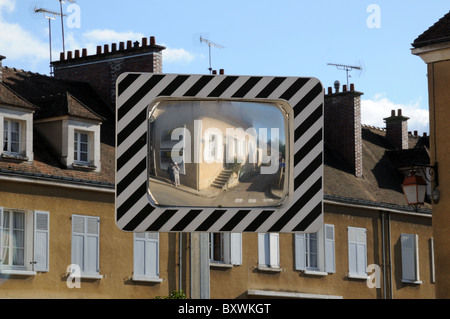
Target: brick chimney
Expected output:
[397,130]
[342,124]
[102,69]
[1,67]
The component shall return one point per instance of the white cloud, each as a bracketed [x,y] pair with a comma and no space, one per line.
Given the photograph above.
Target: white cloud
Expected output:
[177,56]
[373,111]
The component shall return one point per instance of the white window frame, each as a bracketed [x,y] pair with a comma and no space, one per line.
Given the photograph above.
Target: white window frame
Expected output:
[36,242]
[357,252]
[146,257]
[213,149]
[25,120]
[77,147]
[7,129]
[410,258]
[325,252]
[85,250]
[230,246]
[269,251]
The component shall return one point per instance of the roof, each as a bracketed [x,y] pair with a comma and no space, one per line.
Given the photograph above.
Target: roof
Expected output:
[437,33]
[381,179]
[9,97]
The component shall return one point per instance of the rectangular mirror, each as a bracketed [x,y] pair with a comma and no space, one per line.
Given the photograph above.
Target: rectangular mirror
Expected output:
[220,153]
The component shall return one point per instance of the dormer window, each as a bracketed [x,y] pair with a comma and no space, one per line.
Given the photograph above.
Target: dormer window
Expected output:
[11,137]
[81,148]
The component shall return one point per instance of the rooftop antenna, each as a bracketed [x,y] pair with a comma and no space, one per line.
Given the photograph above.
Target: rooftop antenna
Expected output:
[210,44]
[47,15]
[61,2]
[347,68]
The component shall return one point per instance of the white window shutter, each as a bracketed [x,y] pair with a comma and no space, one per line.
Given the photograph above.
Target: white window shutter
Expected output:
[362,251]
[236,248]
[409,256]
[330,263]
[41,241]
[78,241]
[300,252]
[352,251]
[274,253]
[1,233]
[153,255]
[263,247]
[139,254]
[92,245]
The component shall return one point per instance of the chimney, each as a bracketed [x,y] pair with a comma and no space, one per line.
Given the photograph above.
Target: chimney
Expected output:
[342,125]
[397,130]
[1,67]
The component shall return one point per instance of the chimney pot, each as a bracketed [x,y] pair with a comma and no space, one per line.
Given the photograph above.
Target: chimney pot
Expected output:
[344,88]
[114,47]
[330,90]
[352,87]
[136,44]
[392,113]
[122,46]
[84,53]
[99,49]
[152,40]
[77,54]
[214,72]
[61,56]
[144,42]
[222,71]
[129,44]
[425,134]
[337,85]
[69,55]
[106,48]
[415,133]
[399,112]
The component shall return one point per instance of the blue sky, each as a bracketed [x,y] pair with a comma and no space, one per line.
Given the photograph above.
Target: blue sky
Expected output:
[259,37]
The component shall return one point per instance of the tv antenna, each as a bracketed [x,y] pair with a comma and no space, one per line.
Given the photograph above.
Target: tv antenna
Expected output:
[210,44]
[61,2]
[50,15]
[347,68]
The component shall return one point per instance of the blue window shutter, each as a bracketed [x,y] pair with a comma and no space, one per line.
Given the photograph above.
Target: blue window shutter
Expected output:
[300,253]
[41,241]
[330,263]
[236,248]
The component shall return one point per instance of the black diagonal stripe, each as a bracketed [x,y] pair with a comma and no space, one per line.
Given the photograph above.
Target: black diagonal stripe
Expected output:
[294,88]
[312,216]
[175,84]
[311,168]
[132,126]
[276,82]
[308,147]
[126,82]
[299,204]
[308,98]
[308,122]
[139,95]
[258,221]
[139,218]
[212,218]
[248,85]
[186,220]
[225,84]
[161,220]
[199,85]
[240,215]
[131,151]
[131,176]
[136,196]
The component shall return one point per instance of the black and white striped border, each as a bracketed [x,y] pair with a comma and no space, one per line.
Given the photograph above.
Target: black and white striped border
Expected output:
[136,91]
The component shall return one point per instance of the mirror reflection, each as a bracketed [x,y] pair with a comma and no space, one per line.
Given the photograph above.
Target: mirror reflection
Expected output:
[217,154]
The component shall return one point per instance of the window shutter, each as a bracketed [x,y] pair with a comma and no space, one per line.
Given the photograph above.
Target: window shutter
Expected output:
[330,264]
[362,252]
[1,234]
[352,248]
[236,248]
[41,241]
[274,253]
[153,255]
[300,252]
[139,254]
[263,247]
[92,245]
[409,256]
[78,241]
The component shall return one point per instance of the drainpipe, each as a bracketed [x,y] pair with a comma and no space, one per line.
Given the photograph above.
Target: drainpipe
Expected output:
[390,256]
[383,252]
[179,260]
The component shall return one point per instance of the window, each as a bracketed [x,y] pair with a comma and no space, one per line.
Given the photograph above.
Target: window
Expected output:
[269,250]
[85,245]
[24,241]
[410,258]
[314,253]
[81,147]
[357,252]
[146,257]
[11,137]
[226,248]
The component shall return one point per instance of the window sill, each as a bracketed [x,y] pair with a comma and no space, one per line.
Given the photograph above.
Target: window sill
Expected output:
[146,279]
[315,273]
[269,269]
[90,276]
[409,281]
[220,265]
[358,276]
[14,157]
[84,167]
[18,272]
